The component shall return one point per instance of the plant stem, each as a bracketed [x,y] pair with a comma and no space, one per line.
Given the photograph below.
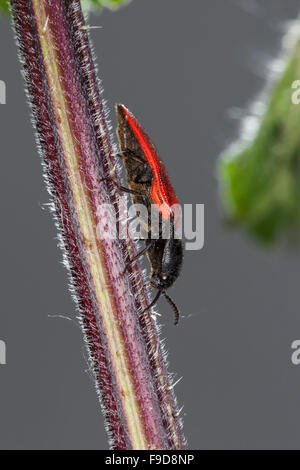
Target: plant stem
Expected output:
[73,136]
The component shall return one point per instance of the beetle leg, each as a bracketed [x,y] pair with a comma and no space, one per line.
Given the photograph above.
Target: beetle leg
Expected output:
[153,301]
[130,154]
[170,301]
[124,189]
[140,253]
[142,174]
[144,197]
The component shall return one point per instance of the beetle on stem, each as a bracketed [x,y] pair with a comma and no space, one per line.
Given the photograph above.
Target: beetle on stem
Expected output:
[149,183]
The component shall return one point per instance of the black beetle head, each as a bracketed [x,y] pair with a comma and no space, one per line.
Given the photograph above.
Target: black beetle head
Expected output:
[163,281]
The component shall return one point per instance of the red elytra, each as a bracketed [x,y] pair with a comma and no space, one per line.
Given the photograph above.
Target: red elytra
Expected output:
[162,191]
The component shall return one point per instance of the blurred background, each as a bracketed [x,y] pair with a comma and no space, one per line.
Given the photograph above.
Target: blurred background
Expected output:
[187,70]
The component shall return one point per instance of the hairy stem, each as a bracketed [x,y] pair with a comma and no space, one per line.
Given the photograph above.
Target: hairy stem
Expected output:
[73,136]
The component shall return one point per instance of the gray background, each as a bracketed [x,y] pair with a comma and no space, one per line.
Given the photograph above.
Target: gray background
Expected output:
[180,66]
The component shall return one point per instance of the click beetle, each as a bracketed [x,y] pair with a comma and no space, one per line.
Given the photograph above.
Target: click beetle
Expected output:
[149,183]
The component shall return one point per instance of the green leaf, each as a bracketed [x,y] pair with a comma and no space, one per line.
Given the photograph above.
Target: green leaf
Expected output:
[260,175]
[4,6]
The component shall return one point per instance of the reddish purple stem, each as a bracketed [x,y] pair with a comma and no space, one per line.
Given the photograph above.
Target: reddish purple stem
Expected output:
[88,120]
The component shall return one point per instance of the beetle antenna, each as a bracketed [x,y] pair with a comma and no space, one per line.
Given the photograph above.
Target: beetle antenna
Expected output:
[153,301]
[174,307]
